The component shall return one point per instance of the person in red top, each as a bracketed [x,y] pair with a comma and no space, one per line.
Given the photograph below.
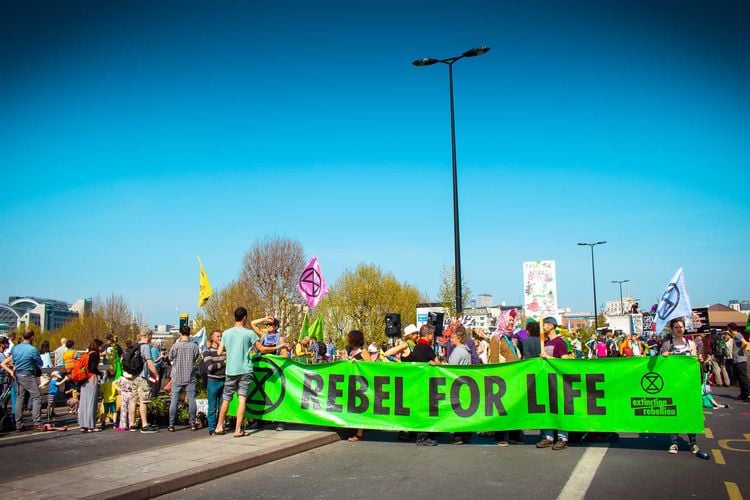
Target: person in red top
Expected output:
[554,347]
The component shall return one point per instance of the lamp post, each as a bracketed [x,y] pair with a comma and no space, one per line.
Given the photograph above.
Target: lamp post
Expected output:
[429,61]
[622,305]
[593,278]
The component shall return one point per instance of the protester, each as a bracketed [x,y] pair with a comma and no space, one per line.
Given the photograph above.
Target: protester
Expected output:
[356,352]
[654,346]
[503,350]
[89,390]
[576,345]
[460,356]
[56,380]
[45,354]
[330,349]
[739,345]
[58,354]
[11,338]
[237,342]
[126,386]
[424,353]
[554,347]
[69,355]
[403,347]
[183,356]
[531,346]
[24,363]
[141,394]
[109,398]
[302,353]
[600,349]
[215,367]
[679,346]
[159,357]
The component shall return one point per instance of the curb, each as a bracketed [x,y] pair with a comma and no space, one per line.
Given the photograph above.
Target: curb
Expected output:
[196,475]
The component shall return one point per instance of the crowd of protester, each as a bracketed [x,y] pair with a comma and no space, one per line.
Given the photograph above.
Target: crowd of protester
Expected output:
[109,385]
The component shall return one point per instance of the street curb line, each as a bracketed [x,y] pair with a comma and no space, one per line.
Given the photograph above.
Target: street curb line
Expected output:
[196,475]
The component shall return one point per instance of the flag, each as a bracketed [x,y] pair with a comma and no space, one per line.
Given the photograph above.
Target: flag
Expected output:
[747,326]
[674,302]
[116,362]
[312,286]
[204,288]
[305,330]
[200,339]
[316,329]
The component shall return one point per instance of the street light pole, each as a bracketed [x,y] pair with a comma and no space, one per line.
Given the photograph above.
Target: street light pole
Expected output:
[593,278]
[622,304]
[428,61]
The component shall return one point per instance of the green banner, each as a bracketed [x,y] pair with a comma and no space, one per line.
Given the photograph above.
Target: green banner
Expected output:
[654,394]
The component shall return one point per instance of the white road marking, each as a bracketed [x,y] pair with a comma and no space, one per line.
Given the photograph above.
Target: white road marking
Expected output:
[583,474]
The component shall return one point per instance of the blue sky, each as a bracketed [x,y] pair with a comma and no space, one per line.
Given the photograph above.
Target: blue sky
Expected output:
[135,135]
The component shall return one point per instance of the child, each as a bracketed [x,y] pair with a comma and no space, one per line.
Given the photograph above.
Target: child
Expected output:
[125,386]
[708,399]
[56,380]
[109,400]
[72,401]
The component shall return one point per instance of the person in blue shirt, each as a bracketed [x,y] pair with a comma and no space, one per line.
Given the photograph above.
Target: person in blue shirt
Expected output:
[26,362]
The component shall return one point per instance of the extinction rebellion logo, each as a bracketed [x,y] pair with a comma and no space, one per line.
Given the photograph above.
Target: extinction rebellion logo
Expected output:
[267,387]
[653,383]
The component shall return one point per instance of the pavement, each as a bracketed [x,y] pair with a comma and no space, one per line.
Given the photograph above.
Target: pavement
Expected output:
[112,464]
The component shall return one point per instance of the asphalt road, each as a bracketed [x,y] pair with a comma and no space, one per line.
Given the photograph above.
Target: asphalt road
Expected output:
[634,466]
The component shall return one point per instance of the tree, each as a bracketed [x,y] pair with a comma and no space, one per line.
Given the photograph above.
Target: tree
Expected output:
[447,291]
[108,315]
[361,298]
[267,285]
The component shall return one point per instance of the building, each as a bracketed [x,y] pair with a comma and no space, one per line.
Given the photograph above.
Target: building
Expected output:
[576,320]
[165,332]
[742,306]
[484,300]
[45,314]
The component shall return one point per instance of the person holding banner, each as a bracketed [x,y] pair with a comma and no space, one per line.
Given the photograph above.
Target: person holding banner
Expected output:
[554,347]
[678,345]
[355,351]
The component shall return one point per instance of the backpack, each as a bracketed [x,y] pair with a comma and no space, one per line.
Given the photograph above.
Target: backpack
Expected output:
[132,360]
[80,371]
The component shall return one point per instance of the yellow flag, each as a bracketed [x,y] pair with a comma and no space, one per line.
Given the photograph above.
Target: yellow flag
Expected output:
[204,290]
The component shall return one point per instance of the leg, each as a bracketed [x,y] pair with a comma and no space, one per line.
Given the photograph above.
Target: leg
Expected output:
[143,407]
[131,411]
[212,387]
[190,392]
[222,416]
[242,401]
[744,382]
[173,403]
[20,396]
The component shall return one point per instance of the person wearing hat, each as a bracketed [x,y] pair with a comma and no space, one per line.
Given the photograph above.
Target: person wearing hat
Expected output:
[554,347]
[403,347]
[738,344]
[56,380]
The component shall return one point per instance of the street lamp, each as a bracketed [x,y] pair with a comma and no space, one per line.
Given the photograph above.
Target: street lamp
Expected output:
[593,277]
[622,305]
[429,61]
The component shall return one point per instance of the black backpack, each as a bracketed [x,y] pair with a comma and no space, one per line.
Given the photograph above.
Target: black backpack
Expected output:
[132,360]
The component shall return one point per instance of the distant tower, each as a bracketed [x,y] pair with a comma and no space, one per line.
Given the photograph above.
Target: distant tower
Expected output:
[484,300]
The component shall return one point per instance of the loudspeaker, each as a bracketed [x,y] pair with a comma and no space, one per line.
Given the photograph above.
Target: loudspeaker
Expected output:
[436,321]
[392,325]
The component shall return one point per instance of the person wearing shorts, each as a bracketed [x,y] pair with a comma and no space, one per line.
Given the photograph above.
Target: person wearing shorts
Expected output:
[237,343]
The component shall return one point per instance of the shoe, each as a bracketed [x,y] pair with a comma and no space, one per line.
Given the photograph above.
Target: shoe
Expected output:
[133,428]
[39,428]
[502,443]
[672,449]
[121,429]
[254,425]
[193,427]
[427,442]
[280,426]
[149,429]
[560,444]
[170,428]
[403,437]
[458,440]
[694,448]
[544,443]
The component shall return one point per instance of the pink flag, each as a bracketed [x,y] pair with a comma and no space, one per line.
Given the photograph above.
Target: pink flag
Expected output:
[312,286]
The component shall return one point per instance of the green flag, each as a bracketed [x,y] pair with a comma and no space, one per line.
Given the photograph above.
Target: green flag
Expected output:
[116,362]
[305,330]
[747,326]
[316,329]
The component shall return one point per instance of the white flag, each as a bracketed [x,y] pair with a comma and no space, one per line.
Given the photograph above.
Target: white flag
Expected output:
[674,302]
[200,339]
